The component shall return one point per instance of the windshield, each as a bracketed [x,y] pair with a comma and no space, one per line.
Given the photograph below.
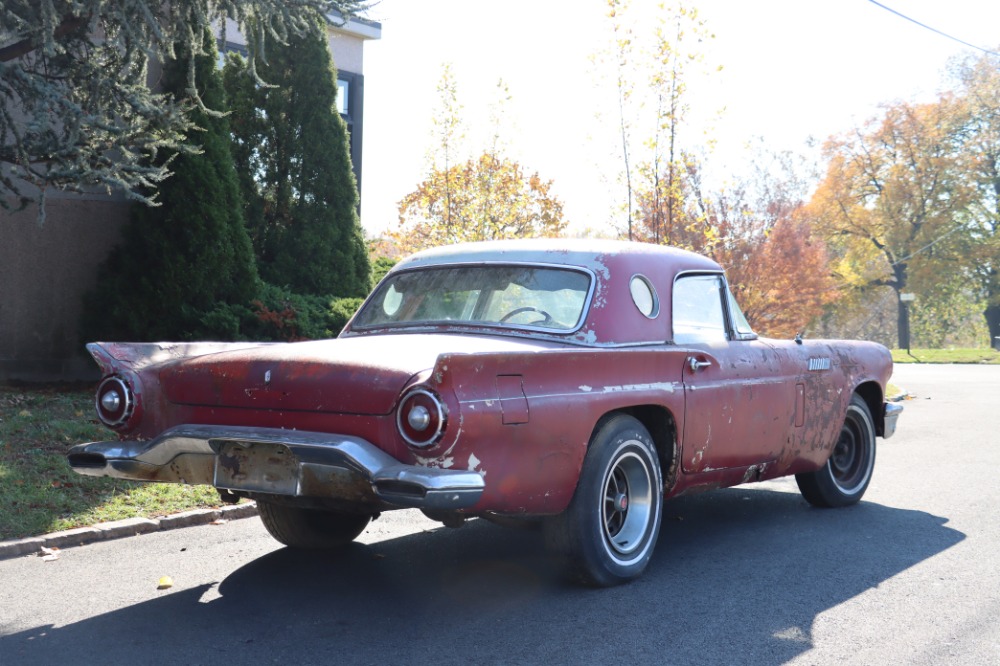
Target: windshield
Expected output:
[537,297]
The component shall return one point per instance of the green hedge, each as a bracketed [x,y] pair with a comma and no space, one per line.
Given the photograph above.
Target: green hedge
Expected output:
[278,314]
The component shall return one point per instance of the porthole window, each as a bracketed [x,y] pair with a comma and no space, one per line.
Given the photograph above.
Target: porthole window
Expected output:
[393,299]
[644,296]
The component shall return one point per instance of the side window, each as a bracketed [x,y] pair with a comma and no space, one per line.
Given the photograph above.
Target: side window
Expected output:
[740,324]
[698,315]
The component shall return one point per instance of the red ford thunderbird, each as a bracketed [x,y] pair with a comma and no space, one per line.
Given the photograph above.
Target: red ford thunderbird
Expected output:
[572,384]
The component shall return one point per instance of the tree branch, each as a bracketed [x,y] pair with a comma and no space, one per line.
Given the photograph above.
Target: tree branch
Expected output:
[26,46]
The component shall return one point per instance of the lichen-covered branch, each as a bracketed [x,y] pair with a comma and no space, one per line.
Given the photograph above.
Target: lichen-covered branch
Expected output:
[79,109]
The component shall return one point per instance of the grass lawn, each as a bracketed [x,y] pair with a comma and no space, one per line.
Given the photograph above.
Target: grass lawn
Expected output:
[990,356]
[38,491]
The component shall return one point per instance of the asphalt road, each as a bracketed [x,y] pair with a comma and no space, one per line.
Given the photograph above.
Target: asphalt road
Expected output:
[750,575]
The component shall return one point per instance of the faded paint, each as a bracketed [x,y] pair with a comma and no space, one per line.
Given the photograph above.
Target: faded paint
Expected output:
[660,386]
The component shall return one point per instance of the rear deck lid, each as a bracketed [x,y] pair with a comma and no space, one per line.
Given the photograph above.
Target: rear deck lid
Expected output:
[358,375]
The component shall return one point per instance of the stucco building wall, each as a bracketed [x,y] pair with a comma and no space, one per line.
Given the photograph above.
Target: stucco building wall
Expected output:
[45,269]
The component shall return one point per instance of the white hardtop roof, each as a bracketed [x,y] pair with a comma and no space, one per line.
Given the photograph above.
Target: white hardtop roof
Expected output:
[588,252]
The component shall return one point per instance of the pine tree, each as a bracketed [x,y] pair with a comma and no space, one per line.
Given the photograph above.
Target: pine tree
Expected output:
[302,199]
[184,259]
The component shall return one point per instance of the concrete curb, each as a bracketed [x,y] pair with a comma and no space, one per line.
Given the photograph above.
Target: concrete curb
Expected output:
[81,536]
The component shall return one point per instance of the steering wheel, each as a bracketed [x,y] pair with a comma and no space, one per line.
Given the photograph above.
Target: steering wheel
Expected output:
[546,317]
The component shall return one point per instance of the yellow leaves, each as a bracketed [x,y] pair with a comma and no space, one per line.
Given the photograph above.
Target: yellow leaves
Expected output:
[892,192]
[487,198]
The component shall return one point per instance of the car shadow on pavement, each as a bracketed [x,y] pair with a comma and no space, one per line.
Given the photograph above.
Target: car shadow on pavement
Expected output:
[739,575]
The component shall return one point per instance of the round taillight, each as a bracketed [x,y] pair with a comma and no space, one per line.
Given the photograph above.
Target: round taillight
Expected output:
[421,418]
[115,402]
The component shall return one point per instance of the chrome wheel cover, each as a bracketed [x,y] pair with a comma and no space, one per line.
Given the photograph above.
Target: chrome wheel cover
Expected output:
[852,460]
[627,505]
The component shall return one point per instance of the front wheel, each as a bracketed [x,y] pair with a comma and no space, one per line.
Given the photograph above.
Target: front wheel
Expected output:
[608,532]
[299,527]
[845,476]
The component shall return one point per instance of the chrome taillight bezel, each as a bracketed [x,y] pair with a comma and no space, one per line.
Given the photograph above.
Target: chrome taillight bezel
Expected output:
[117,417]
[437,418]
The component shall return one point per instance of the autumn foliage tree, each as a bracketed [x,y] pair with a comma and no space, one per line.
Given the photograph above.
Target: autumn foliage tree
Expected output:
[892,201]
[655,50]
[777,266]
[487,198]
[781,278]
[979,87]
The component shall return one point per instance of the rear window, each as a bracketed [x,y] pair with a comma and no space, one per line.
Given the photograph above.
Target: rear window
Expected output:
[535,297]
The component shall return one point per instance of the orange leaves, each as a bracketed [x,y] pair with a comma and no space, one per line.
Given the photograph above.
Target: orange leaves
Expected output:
[777,267]
[782,280]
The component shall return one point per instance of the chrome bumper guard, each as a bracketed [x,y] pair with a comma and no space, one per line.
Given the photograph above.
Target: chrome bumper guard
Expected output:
[283,462]
[889,418]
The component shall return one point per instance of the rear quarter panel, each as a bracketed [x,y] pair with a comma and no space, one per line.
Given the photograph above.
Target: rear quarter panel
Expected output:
[530,448]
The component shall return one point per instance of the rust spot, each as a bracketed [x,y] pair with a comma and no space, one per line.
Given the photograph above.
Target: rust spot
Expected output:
[230,463]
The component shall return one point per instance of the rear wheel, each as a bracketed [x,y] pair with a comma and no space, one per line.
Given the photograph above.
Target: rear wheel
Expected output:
[608,532]
[845,476]
[310,528]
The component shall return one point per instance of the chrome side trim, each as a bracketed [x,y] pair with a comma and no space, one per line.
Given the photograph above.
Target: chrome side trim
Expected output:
[889,418]
[192,452]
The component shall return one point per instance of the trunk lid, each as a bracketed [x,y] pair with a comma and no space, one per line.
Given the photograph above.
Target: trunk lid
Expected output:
[355,375]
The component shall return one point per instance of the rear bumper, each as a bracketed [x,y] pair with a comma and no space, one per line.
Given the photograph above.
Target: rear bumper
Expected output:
[889,418]
[292,463]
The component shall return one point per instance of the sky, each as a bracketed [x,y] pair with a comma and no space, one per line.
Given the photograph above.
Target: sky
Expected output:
[793,73]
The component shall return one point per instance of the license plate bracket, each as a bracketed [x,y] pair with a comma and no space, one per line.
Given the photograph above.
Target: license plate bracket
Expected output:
[257,467]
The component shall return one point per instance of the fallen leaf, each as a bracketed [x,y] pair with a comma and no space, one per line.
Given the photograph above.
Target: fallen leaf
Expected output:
[165,582]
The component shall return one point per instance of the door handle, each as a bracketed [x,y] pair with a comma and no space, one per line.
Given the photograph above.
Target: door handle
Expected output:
[697,365]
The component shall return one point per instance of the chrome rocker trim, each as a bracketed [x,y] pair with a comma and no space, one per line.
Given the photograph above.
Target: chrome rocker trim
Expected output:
[293,463]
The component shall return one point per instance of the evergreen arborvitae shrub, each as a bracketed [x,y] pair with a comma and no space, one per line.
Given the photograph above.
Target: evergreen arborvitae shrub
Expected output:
[380,267]
[281,315]
[179,262]
[302,198]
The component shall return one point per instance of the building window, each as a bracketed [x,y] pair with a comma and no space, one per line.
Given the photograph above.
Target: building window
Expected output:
[343,92]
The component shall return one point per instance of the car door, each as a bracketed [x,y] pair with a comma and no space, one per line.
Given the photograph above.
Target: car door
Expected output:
[738,408]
